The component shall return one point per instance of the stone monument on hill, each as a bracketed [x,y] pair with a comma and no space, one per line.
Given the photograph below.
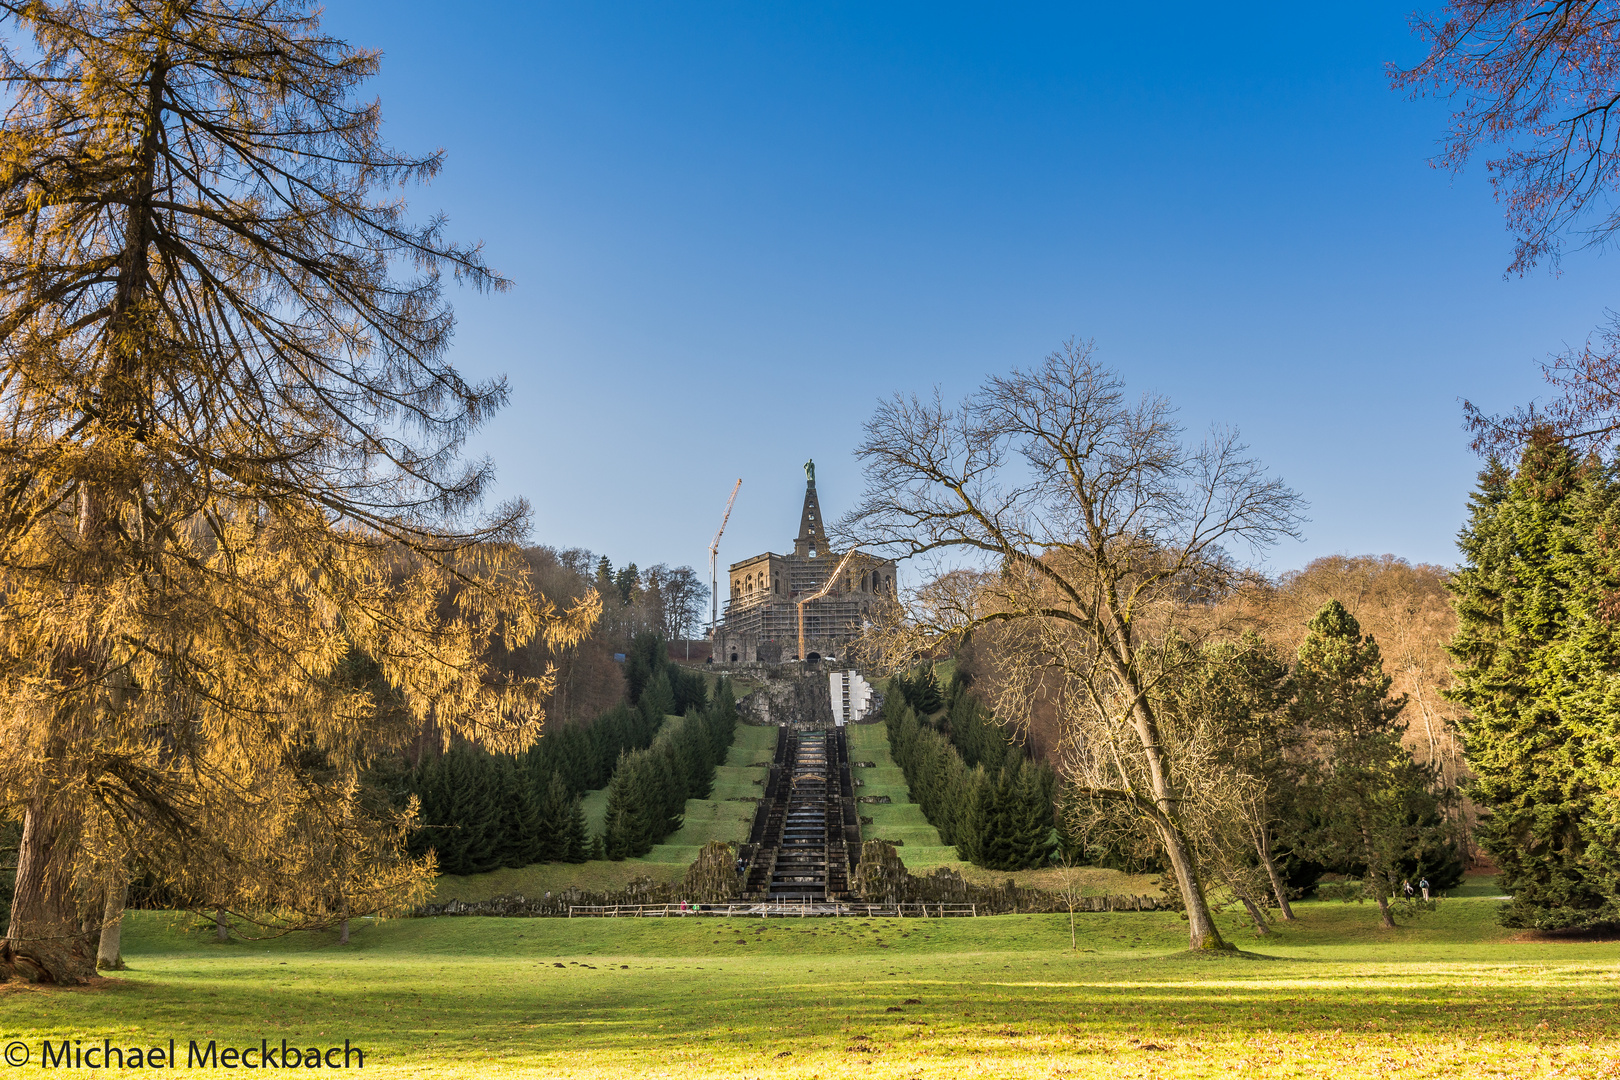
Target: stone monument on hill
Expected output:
[761,625]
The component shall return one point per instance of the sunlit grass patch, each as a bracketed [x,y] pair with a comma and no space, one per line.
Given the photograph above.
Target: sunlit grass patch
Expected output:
[1451,995]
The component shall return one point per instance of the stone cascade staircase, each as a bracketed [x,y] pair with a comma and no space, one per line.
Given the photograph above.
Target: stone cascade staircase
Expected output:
[806,830]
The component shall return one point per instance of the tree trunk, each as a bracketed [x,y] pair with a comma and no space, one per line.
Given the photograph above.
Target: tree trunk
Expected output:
[1255,914]
[1259,917]
[343,932]
[1383,909]
[1262,847]
[108,955]
[44,942]
[1376,878]
[1201,930]
[222,929]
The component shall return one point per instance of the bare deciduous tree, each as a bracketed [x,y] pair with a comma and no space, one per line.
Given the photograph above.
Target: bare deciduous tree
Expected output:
[1102,524]
[1540,79]
[684,595]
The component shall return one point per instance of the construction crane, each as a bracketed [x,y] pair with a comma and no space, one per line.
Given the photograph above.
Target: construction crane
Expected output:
[714,553]
[819,593]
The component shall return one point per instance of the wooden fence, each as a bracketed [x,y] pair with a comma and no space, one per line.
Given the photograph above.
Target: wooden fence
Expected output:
[777,909]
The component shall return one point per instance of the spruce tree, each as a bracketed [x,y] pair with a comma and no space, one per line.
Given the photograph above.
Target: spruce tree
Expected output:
[552,800]
[924,692]
[1030,813]
[1375,806]
[723,719]
[426,783]
[646,660]
[575,842]
[657,702]
[521,839]
[622,827]
[1537,649]
[475,810]
[977,818]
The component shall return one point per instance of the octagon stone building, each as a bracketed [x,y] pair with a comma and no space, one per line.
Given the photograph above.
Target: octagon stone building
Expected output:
[761,622]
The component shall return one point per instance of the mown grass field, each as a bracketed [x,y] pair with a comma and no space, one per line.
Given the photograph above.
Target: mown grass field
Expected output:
[1451,995]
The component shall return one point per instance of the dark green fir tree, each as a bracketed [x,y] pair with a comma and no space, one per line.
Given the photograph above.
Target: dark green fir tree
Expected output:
[1538,669]
[1374,806]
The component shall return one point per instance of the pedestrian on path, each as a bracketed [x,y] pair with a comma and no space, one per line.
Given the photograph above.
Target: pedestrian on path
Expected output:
[1424,885]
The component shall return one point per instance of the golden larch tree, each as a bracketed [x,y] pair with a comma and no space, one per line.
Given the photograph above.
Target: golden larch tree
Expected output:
[240,550]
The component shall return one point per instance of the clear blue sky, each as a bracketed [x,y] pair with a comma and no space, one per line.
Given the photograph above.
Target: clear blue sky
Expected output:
[734,227]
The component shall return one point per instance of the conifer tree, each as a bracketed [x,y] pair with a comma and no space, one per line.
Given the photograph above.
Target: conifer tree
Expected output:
[426,783]
[657,702]
[1030,824]
[1536,649]
[645,660]
[622,828]
[473,814]
[923,692]
[627,583]
[522,838]
[723,718]
[1374,805]
[231,467]
[574,843]
[977,817]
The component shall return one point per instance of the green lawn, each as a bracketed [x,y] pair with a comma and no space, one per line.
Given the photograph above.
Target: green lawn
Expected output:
[718,817]
[900,819]
[1332,996]
[922,850]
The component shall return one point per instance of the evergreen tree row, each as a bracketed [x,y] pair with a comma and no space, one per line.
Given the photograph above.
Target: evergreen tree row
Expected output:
[647,795]
[973,730]
[998,811]
[919,689]
[481,811]
[648,661]
[585,755]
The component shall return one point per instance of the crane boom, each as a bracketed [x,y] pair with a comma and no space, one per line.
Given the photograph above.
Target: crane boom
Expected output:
[714,552]
[819,593]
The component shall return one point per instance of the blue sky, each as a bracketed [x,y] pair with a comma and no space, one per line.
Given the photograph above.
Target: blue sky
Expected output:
[733,228]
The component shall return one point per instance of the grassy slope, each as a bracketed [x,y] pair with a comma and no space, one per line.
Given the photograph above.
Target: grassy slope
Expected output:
[923,851]
[900,819]
[1451,995]
[713,818]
